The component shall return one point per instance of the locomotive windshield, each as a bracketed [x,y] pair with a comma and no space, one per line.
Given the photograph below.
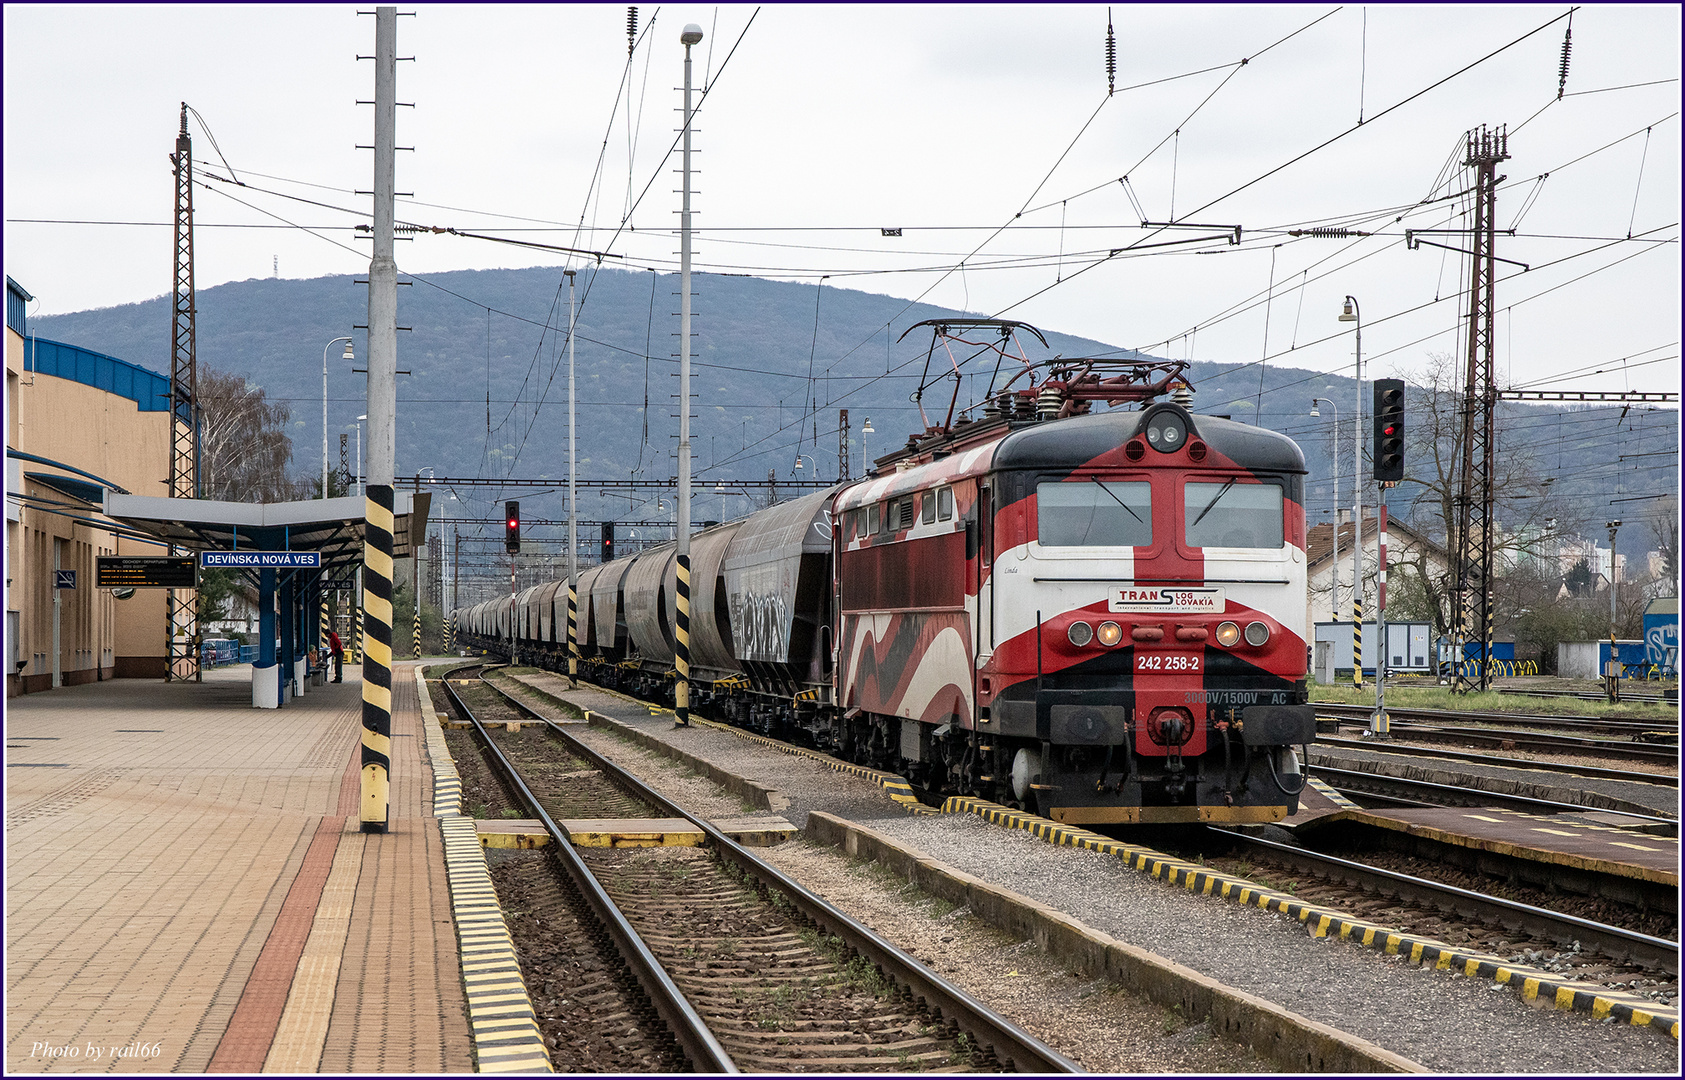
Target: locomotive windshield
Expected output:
[1232,515]
[1094,513]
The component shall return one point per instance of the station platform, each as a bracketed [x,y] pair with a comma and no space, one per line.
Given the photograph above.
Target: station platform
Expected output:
[188,888]
[1590,841]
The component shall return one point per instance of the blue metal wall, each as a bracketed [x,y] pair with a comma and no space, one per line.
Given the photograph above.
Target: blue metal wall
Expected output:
[148,389]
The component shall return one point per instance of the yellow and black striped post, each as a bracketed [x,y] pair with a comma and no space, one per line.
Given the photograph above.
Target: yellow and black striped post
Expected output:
[450,632]
[418,628]
[573,635]
[681,662]
[356,630]
[1357,635]
[377,658]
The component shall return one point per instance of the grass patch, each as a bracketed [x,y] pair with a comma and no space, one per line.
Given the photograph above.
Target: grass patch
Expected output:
[1441,697]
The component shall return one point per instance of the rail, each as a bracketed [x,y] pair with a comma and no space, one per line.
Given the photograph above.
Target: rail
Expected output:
[1431,794]
[1613,941]
[1592,771]
[1010,1043]
[695,1040]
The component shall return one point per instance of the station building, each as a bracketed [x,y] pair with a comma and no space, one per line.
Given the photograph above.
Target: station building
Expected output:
[77,422]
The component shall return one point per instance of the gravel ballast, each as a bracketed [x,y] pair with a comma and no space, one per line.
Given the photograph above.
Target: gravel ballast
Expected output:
[1444,1021]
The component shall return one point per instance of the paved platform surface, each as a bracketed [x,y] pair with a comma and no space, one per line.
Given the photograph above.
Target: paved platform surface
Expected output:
[188,888]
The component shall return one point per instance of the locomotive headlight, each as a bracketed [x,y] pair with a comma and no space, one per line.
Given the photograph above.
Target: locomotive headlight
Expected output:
[1165,432]
[1228,634]
[1110,633]
[1080,634]
[1257,633]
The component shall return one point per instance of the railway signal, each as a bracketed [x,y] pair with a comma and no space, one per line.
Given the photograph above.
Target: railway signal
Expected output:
[608,542]
[512,526]
[1389,430]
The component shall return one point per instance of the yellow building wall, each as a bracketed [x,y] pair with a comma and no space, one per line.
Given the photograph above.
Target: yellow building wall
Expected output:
[100,637]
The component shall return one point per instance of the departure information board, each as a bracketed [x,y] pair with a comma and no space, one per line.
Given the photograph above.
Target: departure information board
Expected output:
[147,572]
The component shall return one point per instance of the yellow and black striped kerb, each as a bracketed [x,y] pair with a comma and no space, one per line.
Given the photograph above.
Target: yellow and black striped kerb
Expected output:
[573,634]
[500,1013]
[681,688]
[1533,984]
[377,658]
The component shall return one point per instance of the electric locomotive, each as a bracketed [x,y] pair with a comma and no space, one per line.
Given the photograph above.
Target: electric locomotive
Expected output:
[1098,616]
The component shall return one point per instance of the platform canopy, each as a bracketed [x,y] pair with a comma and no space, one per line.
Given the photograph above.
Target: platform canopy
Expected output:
[333,527]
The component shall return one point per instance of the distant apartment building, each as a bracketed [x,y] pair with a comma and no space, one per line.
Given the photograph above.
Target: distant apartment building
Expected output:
[77,421]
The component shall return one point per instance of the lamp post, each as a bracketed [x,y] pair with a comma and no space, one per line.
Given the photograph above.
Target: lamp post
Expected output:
[1354,314]
[865,458]
[349,355]
[1334,584]
[1612,677]
[809,457]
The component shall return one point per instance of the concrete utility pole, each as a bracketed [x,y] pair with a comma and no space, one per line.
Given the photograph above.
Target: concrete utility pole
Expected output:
[573,507]
[382,462]
[691,35]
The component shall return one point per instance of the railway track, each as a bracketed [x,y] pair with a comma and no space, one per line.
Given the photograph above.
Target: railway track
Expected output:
[1447,754]
[748,970]
[1612,953]
[1400,791]
[1585,727]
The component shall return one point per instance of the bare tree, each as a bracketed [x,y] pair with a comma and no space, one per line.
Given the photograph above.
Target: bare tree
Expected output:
[1523,504]
[244,449]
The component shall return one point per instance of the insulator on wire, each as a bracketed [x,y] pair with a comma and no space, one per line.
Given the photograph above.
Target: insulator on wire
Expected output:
[631,29]
[1111,56]
[1567,47]
[1327,233]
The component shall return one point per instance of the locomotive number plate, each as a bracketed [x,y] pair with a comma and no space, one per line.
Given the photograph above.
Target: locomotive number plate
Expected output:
[1174,599]
[1168,662]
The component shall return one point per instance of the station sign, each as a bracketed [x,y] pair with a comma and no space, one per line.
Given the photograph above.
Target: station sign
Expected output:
[147,572]
[260,560]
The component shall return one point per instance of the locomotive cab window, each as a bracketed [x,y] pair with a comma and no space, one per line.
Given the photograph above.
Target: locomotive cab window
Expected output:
[927,507]
[945,504]
[874,517]
[1094,513]
[1232,515]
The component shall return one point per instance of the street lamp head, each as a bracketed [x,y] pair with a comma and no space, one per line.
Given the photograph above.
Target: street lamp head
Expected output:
[1314,410]
[691,34]
[798,461]
[867,427]
[360,419]
[1348,315]
[349,354]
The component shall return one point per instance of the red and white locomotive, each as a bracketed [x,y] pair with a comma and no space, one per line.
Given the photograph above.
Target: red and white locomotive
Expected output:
[1098,616]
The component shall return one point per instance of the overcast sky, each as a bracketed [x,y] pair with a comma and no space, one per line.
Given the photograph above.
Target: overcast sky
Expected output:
[830,124]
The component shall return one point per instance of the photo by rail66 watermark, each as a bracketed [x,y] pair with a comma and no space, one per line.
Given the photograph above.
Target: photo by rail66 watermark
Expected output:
[92,1051]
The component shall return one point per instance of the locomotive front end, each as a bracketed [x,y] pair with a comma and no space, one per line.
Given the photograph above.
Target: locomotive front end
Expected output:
[1147,608]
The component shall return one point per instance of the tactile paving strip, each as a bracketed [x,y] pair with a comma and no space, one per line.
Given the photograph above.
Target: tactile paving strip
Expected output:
[500,1013]
[1533,984]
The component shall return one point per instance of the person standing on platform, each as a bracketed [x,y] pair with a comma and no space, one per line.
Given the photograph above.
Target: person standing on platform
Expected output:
[337,651]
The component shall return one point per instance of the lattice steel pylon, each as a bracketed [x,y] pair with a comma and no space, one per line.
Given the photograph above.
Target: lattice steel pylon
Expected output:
[1474,503]
[182,627]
